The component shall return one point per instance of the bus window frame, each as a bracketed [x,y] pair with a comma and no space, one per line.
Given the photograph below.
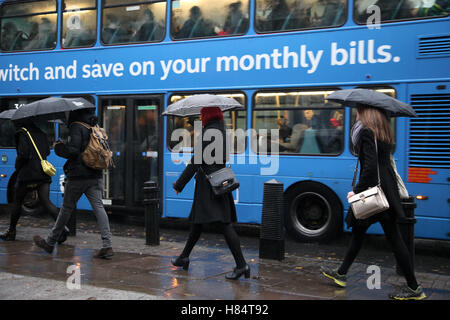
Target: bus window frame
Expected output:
[287,90]
[211,37]
[396,20]
[63,10]
[181,93]
[31,15]
[100,38]
[373,87]
[300,29]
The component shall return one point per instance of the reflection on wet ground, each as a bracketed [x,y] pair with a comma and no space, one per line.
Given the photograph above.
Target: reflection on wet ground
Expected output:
[293,278]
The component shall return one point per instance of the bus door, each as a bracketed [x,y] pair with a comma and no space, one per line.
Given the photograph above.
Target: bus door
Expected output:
[133,127]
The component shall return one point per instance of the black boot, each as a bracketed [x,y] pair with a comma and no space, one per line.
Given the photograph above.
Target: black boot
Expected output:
[237,273]
[63,237]
[9,235]
[181,262]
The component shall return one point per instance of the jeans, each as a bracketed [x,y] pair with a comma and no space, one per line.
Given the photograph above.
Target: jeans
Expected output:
[73,191]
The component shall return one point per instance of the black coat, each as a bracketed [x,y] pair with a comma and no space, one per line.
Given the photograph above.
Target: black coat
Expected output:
[369,178]
[207,207]
[79,137]
[28,164]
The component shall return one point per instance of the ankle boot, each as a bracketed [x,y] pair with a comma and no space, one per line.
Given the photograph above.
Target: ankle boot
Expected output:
[237,273]
[181,262]
[9,235]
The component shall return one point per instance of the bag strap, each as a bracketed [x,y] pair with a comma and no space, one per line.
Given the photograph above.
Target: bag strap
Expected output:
[32,141]
[378,167]
[83,124]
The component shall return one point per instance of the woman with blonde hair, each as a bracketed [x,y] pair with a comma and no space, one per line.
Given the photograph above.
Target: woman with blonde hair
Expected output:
[373,139]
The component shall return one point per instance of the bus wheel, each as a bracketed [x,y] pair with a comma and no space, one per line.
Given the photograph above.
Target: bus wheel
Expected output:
[313,213]
[31,204]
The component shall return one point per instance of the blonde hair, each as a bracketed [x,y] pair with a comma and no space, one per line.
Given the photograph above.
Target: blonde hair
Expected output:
[377,121]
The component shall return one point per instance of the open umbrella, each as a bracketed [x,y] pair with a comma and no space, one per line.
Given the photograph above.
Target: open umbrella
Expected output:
[192,105]
[51,108]
[352,97]
[7,114]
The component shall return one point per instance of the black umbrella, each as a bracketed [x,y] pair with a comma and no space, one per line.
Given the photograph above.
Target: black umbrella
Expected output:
[7,114]
[51,108]
[353,97]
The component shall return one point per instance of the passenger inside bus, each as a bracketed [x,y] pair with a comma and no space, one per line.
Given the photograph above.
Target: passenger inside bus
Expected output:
[149,30]
[11,37]
[196,26]
[390,10]
[325,13]
[236,22]
[115,31]
[439,8]
[279,11]
[78,34]
[46,36]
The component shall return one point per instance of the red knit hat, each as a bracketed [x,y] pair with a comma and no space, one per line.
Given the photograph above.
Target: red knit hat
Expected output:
[211,113]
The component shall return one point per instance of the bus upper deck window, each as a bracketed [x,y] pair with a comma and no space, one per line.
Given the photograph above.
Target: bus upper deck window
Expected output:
[307,124]
[28,26]
[207,18]
[283,15]
[398,10]
[129,21]
[79,23]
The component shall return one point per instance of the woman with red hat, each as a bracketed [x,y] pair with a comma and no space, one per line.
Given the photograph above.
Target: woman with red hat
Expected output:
[207,207]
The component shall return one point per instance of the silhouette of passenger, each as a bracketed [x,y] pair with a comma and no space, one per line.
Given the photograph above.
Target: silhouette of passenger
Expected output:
[111,31]
[149,30]
[46,36]
[10,39]
[439,8]
[195,26]
[78,35]
[235,22]
[333,13]
[276,17]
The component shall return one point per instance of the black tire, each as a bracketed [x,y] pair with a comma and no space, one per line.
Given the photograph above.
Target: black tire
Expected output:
[313,212]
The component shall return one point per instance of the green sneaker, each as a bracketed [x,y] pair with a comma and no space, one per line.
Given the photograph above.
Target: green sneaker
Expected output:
[339,279]
[409,294]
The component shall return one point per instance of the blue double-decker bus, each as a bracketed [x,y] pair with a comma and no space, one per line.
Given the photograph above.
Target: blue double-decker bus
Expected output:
[279,58]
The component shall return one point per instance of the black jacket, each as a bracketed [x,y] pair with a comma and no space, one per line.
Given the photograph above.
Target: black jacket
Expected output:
[368,177]
[28,164]
[78,140]
[207,207]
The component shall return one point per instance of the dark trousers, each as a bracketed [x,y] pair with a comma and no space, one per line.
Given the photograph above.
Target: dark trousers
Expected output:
[231,239]
[21,191]
[396,242]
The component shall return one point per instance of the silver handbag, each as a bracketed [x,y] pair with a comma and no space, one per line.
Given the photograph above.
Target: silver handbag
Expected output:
[371,201]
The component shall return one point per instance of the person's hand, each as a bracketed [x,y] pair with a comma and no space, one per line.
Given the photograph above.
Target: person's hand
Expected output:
[350,194]
[176,191]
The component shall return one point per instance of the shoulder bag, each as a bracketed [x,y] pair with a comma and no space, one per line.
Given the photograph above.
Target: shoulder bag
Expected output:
[222,181]
[371,201]
[48,168]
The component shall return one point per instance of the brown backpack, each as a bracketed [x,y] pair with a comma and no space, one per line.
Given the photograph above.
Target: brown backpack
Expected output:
[97,154]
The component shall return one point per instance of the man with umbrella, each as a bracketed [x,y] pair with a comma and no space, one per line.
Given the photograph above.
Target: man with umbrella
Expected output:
[81,180]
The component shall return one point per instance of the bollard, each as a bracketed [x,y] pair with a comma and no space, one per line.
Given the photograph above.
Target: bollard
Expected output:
[271,239]
[406,226]
[151,207]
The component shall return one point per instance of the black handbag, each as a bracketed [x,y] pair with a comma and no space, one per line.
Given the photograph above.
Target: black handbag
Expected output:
[222,181]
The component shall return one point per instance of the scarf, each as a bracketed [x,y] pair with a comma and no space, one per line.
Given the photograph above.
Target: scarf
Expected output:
[356,132]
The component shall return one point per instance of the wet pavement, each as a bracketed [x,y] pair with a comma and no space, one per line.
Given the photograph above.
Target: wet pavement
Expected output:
[138,271]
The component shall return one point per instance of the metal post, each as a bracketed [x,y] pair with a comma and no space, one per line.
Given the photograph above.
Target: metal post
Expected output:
[151,207]
[271,239]
[406,226]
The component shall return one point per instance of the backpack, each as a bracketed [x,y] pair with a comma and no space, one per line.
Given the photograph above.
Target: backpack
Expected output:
[97,154]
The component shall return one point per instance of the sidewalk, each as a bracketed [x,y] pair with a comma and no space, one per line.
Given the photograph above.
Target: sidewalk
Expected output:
[138,271]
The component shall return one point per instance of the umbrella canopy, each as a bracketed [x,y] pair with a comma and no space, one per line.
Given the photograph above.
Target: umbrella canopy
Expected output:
[7,114]
[352,97]
[191,106]
[51,108]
